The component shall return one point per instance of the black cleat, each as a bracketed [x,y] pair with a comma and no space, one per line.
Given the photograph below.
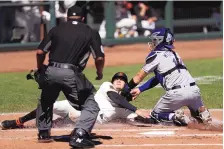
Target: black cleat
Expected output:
[77,142]
[44,136]
[80,140]
[11,124]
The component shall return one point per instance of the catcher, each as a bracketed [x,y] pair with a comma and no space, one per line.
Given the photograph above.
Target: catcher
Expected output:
[174,77]
[112,105]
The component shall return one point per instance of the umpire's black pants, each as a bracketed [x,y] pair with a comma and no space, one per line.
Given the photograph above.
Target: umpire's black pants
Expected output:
[77,89]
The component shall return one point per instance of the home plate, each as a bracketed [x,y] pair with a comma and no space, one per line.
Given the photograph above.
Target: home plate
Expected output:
[158,133]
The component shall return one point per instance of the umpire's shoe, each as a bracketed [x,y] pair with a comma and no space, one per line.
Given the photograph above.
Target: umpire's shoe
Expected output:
[11,124]
[79,139]
[44,136]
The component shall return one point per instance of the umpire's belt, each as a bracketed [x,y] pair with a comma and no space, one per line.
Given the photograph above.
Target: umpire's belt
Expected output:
[63,65]
[178,86]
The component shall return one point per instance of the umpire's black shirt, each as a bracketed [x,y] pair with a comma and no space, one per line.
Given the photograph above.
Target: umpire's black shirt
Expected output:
[72,42]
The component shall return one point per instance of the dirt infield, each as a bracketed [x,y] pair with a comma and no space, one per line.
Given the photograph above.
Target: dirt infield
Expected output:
[118,55]
[115,136]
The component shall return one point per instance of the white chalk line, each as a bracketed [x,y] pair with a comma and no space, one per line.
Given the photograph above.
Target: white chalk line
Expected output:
[147,145]
[98,130]
[129,136]
[140,129]
[175,135]
[199,80]
[123,145]
[21,113]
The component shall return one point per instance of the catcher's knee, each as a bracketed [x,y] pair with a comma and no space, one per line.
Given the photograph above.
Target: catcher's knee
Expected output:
[178,118]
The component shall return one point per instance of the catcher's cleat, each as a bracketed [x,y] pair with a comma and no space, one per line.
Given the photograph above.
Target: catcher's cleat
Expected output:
[44,136]
[180,119]
[11,124]
[80,140]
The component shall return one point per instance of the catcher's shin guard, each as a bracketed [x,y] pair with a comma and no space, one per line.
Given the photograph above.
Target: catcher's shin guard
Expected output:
[180,119]
[202,115]
[205,116]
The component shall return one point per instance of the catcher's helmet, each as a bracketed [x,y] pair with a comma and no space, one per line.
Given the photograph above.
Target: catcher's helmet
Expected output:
[120,75]
[162,37]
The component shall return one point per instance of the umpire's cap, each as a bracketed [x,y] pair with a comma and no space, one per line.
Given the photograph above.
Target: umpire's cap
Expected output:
[120,75]
[74,11]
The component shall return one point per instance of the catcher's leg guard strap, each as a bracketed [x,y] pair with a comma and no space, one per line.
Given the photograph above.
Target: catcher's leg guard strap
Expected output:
[155,116]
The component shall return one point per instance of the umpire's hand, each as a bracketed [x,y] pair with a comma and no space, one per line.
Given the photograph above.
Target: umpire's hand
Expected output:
[99,75]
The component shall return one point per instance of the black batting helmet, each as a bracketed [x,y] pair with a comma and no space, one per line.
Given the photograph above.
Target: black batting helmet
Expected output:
[120,75]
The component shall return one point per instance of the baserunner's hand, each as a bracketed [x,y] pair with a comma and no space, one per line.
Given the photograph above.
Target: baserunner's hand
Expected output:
[143,113]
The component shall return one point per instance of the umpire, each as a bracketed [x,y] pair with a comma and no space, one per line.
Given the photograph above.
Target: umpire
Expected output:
[69,45]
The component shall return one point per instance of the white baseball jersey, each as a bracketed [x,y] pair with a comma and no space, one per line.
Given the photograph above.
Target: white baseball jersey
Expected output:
[160,62]
[108,109]
[101,97]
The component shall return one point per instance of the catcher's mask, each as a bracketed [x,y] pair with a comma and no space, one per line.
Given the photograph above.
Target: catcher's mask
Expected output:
[120,75]
[162,37]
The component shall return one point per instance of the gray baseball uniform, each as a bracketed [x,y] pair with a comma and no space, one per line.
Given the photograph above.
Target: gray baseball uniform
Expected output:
[180,86]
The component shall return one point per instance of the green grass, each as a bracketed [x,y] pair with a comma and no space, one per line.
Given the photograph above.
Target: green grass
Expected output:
[212,96]
[203,67]
[19,95]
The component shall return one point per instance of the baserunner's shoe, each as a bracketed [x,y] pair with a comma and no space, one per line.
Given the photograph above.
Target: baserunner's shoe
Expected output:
[11,124]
